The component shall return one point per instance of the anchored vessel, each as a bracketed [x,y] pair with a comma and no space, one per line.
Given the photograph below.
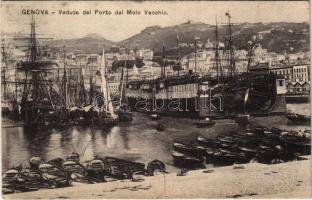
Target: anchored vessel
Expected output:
[209,95]
[51,98]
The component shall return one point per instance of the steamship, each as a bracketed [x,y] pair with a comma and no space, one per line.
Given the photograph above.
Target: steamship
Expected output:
[199,95]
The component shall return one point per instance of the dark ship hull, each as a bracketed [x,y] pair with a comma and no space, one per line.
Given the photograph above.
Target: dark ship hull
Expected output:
[197,97]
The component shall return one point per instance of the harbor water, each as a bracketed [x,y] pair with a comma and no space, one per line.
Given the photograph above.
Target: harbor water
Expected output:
[137,140]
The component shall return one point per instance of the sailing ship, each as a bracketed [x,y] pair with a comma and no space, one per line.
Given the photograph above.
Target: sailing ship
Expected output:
[9,106]
[107,113]
[50,97]
[99,111]
[206,95]
[124,112]
[37,99]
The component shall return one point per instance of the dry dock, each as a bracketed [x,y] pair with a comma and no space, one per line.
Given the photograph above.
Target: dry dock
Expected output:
[254,180]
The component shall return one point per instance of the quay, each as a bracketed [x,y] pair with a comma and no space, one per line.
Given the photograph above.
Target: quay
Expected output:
[253,180]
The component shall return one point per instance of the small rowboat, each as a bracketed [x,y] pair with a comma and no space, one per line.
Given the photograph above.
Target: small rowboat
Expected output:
[185,149]
[154,117]
[207,122]
[299,119]
[73,157]
[205,141]
[186,160]
[242,119]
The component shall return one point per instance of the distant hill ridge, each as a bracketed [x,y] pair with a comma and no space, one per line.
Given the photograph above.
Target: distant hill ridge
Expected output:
[277,37]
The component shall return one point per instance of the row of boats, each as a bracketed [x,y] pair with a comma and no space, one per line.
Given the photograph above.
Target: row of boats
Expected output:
[257,144]
[62,172]
[298,118]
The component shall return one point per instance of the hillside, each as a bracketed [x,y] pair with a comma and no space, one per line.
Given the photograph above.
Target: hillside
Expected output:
[277,37]
[91,43]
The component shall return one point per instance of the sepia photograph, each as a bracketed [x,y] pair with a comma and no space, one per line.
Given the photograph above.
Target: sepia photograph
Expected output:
[155,100]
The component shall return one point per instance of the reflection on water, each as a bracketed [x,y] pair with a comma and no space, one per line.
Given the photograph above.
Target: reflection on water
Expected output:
[137,140]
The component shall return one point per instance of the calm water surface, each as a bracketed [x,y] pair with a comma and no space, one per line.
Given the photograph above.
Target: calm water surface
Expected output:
[137,140]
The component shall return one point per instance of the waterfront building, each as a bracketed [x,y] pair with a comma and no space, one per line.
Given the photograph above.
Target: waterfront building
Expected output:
[94,58]
[301,73]
[292,58]
[114,88]
[81,59]
[276,58]
[183,44]
[150,70]
[285,70]
[297,77]
[297,88]
[204,61]
[146,54]
[241,60]
[209,45]
[260,55]
[110,58]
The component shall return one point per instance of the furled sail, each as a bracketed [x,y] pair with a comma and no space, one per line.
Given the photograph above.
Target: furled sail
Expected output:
[105,90]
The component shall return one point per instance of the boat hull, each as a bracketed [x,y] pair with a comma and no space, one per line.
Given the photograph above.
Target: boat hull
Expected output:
[255,95]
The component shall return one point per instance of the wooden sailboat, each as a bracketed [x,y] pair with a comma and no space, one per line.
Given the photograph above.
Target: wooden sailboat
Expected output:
[123,111]
[107,115]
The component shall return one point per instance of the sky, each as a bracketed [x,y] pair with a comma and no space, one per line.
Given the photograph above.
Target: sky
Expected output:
[119,27]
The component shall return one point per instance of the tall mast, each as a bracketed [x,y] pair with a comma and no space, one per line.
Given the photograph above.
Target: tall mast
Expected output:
[249,58]
[126,82]
[35,87]
[163,62]
[252,44]
[195,59]
[178,55]
[105,88]
[232,67]
[104,83]
[3,71]
[82,90]
[15,79]
[217,51]
[91,83]
[33,42]
[65,79]
[121,86]
[177,47]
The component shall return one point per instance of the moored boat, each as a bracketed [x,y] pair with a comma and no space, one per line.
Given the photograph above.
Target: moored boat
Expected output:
[242,118]
[154,117]
[54,175]
[183,148]
[125,115]
[73,157]
[155,165]
[10,176]
[298,118]
[207,122]
[222,157]
[123,169]
[95,170]
[186,160]
[205,141]
[35,161]
[297,143]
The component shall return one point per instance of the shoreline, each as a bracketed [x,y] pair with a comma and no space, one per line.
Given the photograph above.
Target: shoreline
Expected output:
[253,180]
